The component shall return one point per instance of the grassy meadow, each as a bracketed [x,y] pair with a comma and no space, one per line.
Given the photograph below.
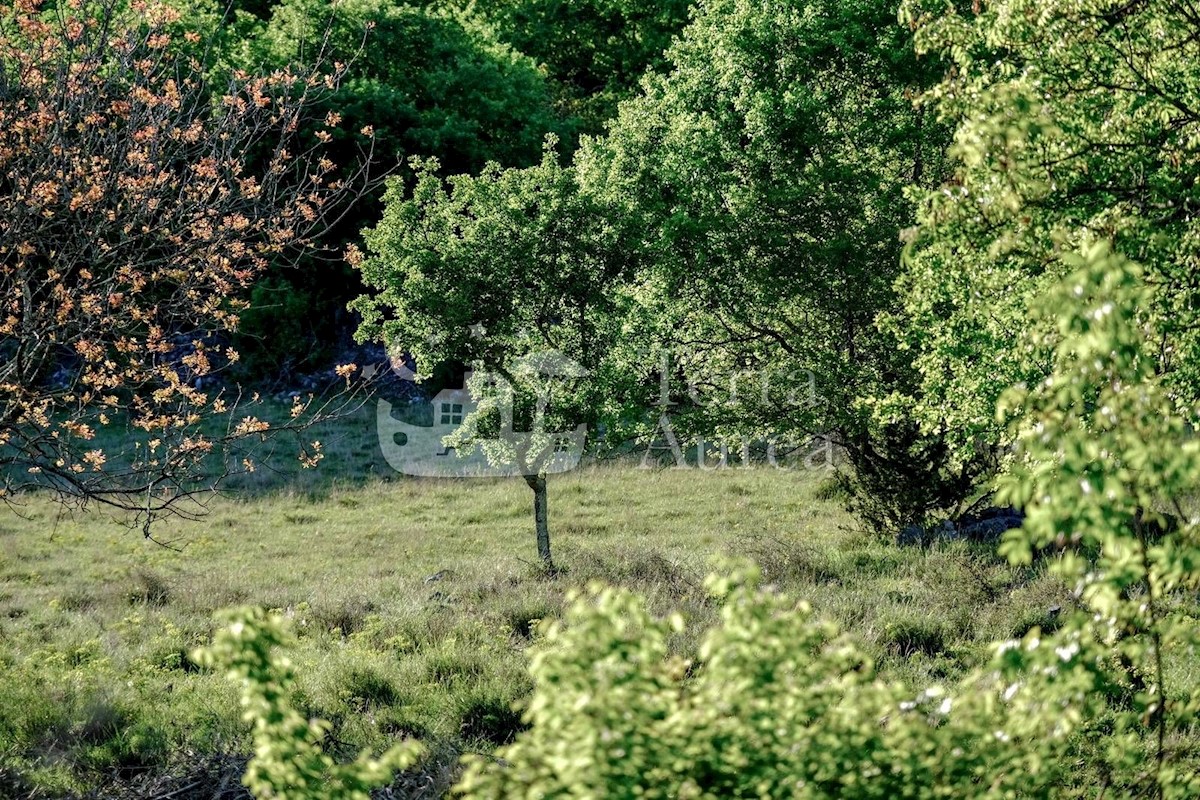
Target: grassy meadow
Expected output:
[414,602]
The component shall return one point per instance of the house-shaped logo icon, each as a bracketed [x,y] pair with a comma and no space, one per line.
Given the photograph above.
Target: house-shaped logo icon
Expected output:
[421,451]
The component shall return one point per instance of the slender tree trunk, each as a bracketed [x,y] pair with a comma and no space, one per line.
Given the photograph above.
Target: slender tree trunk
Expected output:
[541,518]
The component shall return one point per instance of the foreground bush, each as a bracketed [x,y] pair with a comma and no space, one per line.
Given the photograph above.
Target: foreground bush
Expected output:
[288,762]
[777,705]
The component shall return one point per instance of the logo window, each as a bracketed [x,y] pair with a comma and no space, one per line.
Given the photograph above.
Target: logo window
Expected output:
[452,413]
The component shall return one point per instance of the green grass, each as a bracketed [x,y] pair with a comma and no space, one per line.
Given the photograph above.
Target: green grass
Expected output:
[414,602]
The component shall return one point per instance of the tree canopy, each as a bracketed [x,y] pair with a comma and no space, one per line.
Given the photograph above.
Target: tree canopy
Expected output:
[1055,148]
[486,270]
[596,51]
[768,168]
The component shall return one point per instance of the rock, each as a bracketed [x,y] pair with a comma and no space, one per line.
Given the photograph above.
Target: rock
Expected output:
[912,534]
[990,529]
[919,535]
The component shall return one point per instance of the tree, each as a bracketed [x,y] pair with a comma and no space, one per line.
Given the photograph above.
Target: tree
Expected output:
[428,81]
[596,51]
[432,81]
[493,271]
[757,191]
[768,169]
[1055,148]
[131,223]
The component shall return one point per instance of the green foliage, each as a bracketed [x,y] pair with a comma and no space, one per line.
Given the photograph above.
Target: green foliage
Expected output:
[490,268]
[516,275]
[279,333]
[739,219]
[1105,467]
[288,762]
[432,82]
[767,170]
[595,50]
[777,704]
[743,208]
[1088,139]
[513,272]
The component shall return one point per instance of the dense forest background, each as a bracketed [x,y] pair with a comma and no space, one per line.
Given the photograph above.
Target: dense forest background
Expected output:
[465,85]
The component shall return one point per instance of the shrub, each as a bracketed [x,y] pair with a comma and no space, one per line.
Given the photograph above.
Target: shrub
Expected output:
[288,762]
[779,705]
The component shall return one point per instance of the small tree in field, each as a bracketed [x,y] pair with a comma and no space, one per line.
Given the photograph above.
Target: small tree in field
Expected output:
[495,271]
[137,202]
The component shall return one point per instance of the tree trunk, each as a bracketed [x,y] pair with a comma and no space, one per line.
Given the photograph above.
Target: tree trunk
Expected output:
[541,518]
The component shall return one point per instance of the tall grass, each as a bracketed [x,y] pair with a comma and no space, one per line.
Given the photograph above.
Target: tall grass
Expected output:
[414,602]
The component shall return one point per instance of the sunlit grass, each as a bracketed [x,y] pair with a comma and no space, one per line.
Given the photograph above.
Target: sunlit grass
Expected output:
[414,602]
